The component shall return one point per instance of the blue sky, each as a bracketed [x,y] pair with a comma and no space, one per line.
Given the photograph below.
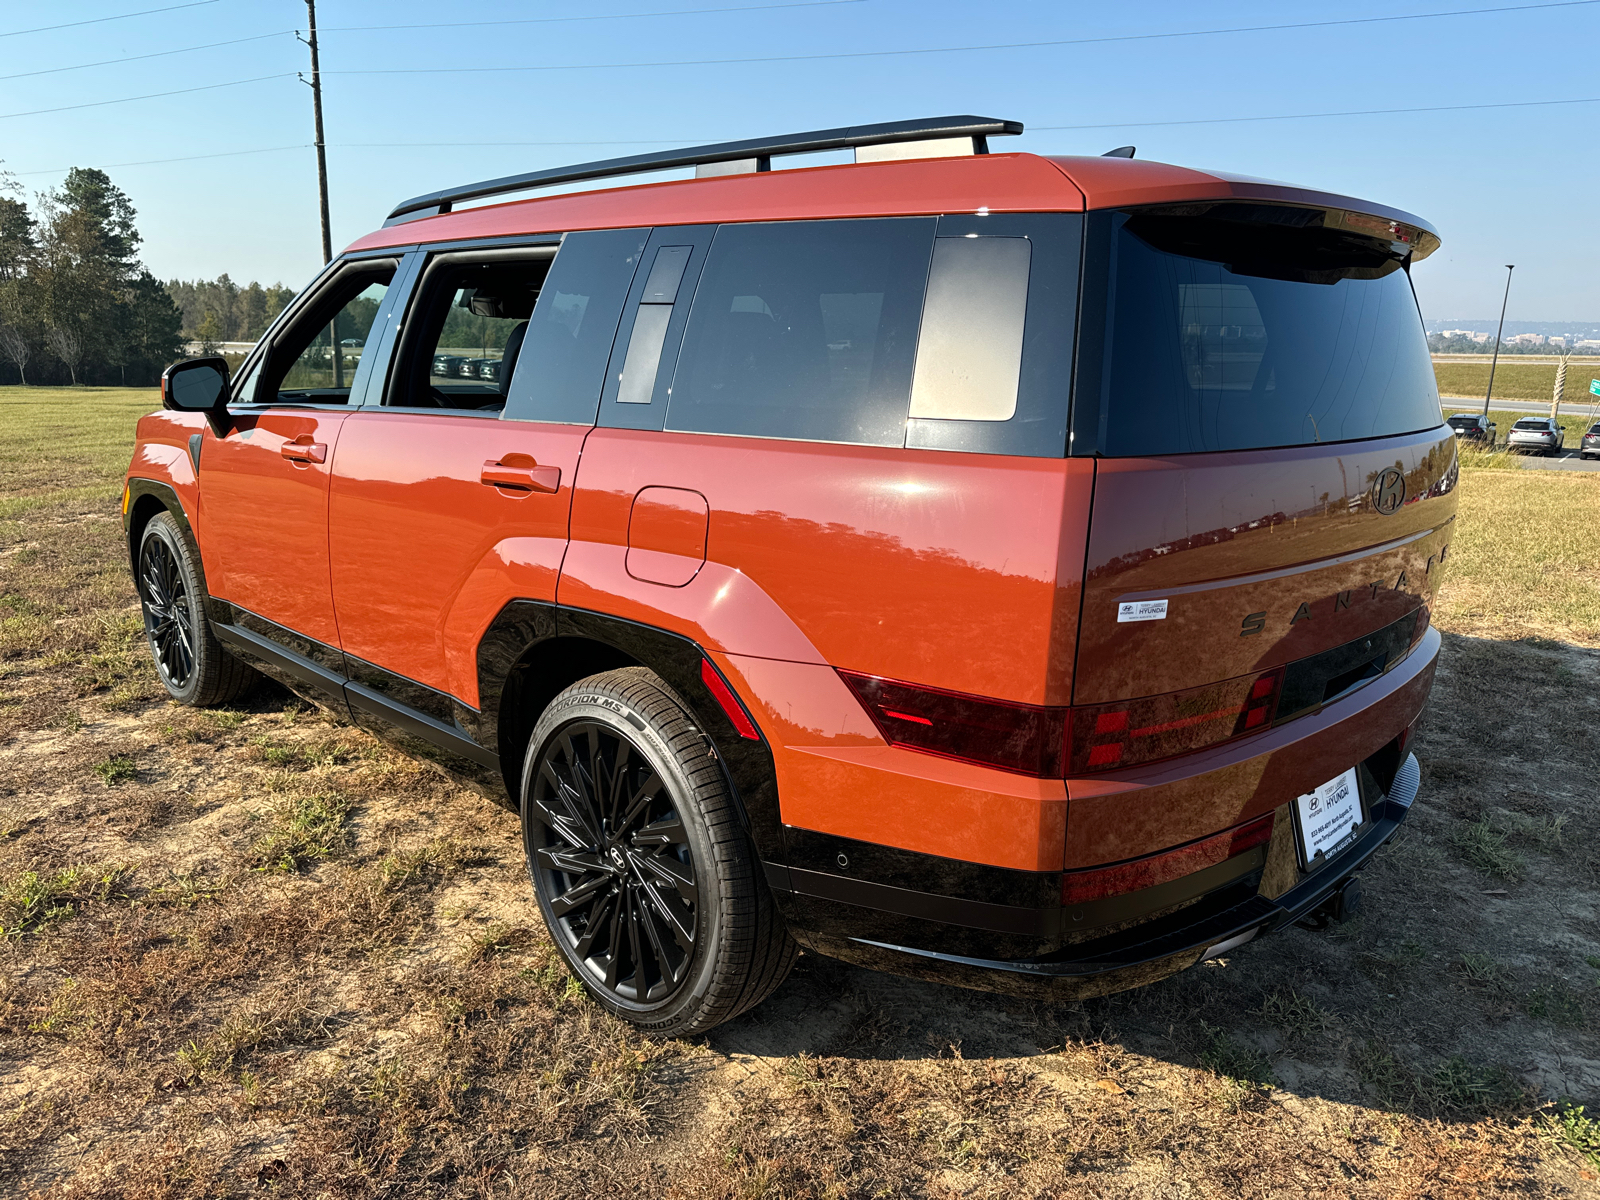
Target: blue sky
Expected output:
[1501,184]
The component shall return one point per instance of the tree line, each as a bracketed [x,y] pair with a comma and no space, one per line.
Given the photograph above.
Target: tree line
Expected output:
[219,310]
[77,305]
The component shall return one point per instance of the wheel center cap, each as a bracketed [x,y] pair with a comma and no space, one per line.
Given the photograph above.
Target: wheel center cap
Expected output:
[618,858]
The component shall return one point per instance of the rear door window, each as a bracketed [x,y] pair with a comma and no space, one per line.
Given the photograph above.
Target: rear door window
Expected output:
[805,330]
[1232,329]
[570,334]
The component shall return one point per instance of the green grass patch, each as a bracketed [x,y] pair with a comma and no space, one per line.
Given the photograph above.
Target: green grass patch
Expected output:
[1484,847]
[305,829]
[1228,1058]
[32,900]
[119,768]
[1572,1129]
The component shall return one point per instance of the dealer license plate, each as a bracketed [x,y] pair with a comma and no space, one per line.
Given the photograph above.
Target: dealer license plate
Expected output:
[1327,818]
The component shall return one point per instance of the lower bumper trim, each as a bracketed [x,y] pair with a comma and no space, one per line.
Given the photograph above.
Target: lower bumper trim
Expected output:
[1137,960]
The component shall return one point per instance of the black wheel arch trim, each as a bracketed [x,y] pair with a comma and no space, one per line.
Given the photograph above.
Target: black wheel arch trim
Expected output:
[511,643]
[167,495]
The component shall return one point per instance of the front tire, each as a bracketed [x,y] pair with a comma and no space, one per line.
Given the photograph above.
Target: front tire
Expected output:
[646,877]
[194,667]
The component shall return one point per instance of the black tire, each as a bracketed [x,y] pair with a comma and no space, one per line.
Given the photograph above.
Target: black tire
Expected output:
[648,881]
[194,667]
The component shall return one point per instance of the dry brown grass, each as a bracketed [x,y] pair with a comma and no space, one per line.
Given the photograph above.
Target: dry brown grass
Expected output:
[272,958]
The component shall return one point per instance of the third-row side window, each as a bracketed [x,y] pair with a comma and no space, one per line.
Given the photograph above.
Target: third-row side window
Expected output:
[805,330]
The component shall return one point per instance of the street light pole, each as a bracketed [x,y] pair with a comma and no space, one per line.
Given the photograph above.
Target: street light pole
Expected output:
[1493,362]
[322,180]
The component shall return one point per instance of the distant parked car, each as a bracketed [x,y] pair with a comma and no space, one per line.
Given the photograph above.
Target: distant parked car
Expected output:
[489,370]
[1591,442]
[352,343]
[1541,434]
[447,364]
[469,368]
[1473,427]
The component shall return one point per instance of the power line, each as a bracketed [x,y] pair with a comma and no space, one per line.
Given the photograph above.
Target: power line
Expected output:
[107,62]
[102,20]
[676,12]
[210,87]
[1363,112]
[1133,37]
[858,54]
[150,162]
[1355,112]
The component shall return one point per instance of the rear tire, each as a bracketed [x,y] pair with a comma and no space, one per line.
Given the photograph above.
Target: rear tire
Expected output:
[193,666]
[646,877]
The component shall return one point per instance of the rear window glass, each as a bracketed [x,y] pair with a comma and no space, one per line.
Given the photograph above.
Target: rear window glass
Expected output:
[805,330]
[1539,426]
[1594,429]
[1233,334]
[1464,422]
[569,337]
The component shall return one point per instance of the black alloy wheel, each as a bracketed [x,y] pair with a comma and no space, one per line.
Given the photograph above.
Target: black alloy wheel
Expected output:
[641,861]
[615,862]
[168,614]
[194,667]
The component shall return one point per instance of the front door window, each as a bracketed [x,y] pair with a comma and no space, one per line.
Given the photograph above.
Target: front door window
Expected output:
[314,360]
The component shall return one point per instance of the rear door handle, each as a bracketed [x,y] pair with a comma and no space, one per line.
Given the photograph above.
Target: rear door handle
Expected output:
[530,478]
[303,449]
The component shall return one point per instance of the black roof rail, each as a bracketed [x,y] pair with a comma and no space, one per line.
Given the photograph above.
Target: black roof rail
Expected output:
[759,149]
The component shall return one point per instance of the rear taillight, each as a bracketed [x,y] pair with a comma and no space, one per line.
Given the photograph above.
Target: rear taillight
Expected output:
[1016,737]
[1054,742]
[1139,731]
[1079,887]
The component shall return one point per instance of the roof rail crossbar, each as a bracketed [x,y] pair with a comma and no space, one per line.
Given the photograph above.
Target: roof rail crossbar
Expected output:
[760,149]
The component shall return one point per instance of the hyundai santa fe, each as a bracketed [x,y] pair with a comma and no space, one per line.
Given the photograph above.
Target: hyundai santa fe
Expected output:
[1000,569]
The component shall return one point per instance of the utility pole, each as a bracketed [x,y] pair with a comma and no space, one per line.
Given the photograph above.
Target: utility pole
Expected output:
[322,179]
[1493,362]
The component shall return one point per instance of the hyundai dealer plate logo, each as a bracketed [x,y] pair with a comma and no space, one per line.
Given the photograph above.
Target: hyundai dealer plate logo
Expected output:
[1389,490]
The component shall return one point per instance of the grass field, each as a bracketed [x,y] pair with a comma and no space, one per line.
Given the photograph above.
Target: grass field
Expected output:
[1517,381]
[251,952]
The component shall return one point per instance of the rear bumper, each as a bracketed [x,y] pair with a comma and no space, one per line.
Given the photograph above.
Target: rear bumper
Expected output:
[1149,951]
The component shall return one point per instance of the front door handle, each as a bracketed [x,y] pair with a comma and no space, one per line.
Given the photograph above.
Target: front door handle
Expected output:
[304,450]
[521,473]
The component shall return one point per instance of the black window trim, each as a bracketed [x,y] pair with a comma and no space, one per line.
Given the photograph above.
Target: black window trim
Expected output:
[423,259]
[652,417]
[324,279]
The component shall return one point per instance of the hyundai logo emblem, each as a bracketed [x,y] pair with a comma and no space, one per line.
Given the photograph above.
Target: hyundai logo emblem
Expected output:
[1389,490]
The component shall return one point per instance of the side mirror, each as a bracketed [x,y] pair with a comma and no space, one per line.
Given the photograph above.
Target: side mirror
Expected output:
[198,385]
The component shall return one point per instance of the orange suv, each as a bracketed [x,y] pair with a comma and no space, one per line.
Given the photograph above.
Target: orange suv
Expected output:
[1006,570]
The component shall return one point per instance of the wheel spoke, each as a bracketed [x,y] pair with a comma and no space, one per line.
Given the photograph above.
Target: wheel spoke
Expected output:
[658,950]
[618,781]
[584,893]
[635,919]
[573,862]
[682,929]
[640,802]
[601,919]
[670,873]
[617,921]
[668,831]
